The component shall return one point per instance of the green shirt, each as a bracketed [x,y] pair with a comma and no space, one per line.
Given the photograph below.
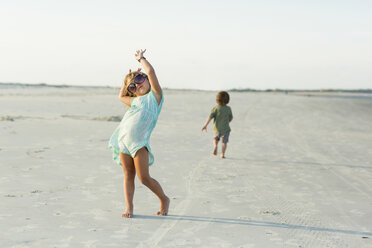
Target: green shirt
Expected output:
[222,116]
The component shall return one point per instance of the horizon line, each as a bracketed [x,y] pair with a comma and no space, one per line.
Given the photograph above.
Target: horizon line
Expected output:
[240,89]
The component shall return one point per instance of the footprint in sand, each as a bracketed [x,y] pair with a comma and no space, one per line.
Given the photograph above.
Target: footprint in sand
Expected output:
[6,118]
[36,191]
[270,212]
[10,195]
[34,154]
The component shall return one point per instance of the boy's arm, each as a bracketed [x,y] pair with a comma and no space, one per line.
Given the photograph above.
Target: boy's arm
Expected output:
[210,117]
[206,124]
[155,86]
[124,99]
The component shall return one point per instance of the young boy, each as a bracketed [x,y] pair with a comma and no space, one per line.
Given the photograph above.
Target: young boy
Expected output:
[222,116]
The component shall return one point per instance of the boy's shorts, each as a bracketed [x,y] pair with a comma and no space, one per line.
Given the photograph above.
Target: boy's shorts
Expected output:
[224,136]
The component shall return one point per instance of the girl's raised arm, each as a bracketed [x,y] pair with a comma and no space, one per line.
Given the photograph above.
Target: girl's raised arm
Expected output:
[155,86]
[123,98]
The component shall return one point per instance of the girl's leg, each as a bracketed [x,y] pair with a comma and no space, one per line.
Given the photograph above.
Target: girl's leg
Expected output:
[224,146]
[129,176]
[215,143]
[141,163]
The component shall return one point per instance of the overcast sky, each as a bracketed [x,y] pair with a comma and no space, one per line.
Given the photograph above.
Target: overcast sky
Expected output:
[203,44]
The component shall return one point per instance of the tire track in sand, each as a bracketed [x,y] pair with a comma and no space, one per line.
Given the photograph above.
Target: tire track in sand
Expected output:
[180,209]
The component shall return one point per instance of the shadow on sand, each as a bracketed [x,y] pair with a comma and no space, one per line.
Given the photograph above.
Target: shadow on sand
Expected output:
[251,223]
[303,163]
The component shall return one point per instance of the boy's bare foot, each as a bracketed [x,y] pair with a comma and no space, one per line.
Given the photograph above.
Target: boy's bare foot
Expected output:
[164,206]
[128,213]
[222,156]
[215,150]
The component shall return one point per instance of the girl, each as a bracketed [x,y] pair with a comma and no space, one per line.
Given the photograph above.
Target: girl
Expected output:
[130,141]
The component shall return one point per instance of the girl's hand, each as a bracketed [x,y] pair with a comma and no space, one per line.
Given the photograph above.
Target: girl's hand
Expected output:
[204,128]
[139,54]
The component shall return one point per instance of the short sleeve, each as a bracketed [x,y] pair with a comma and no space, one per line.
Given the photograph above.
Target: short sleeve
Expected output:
[152,93]
[213,113]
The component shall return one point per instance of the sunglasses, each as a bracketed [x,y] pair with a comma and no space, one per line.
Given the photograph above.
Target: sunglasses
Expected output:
[139,79]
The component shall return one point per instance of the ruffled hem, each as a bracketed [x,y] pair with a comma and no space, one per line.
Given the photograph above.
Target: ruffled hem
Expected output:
[116,154]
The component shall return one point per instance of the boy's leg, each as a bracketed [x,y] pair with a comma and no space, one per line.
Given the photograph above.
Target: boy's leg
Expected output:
[215,143]
[225,139]
[141,163]
[129,176]
[224,146]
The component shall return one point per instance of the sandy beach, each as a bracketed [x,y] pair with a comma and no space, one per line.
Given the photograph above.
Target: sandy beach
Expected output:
[298,172]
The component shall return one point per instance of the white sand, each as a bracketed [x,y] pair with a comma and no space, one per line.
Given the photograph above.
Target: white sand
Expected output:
[298,172]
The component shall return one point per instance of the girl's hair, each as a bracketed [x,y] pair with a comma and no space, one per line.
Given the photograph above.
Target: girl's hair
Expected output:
[222,98]
[129,79]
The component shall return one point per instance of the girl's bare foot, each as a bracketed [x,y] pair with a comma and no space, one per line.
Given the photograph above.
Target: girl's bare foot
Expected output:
[164,206]
[222,156]
[215,150]
[127,215]
[128,212]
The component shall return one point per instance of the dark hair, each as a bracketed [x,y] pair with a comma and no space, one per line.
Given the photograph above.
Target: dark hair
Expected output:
[222,98]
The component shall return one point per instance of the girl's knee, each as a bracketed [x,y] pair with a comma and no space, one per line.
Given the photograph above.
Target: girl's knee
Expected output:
[130,174]
[145,180]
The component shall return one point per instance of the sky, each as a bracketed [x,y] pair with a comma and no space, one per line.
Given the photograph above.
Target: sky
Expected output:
[193,44]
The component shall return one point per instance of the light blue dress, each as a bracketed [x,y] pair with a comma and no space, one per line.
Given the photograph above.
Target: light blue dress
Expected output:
[135,128]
